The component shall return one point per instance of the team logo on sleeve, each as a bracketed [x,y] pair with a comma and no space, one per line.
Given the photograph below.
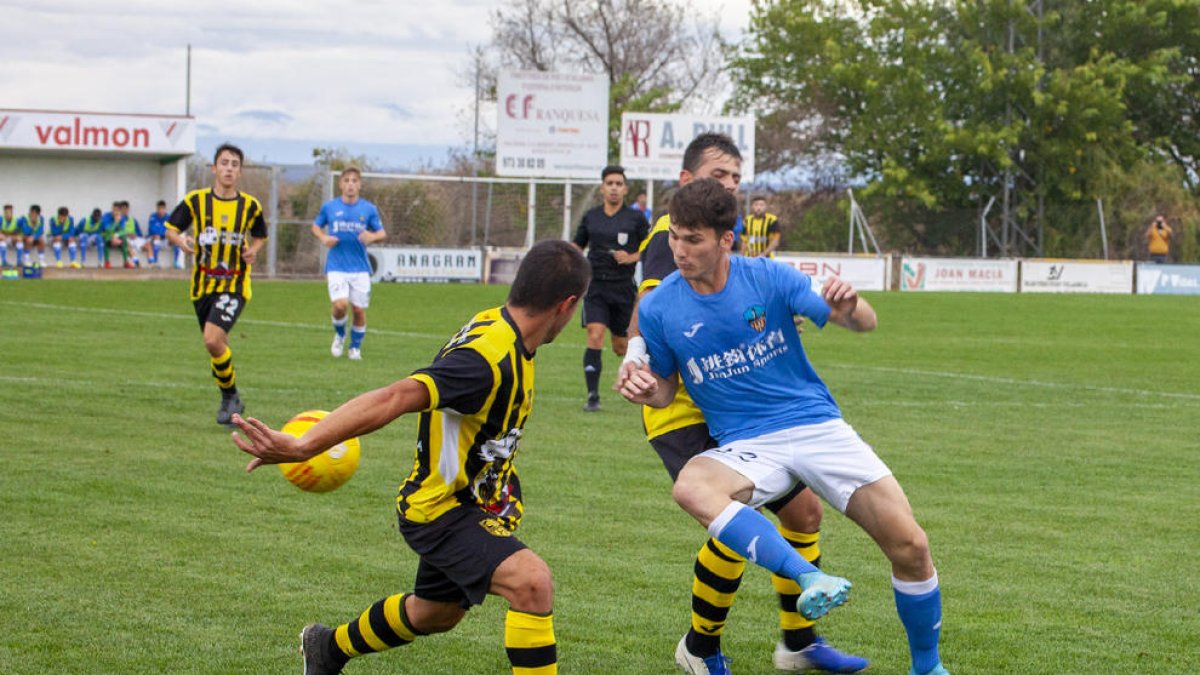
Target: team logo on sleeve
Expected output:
[756,316]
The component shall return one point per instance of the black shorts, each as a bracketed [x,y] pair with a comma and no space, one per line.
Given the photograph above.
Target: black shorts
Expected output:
[678,446]
[610,303]
[459,552]
[221,309]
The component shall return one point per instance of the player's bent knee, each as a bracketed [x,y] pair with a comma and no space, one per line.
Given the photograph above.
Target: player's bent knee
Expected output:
[524,580]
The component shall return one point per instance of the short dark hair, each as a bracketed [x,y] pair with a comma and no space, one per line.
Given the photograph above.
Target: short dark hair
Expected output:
[35,207]
[552,271]
[161,203]
[611,169]
[758,198]
[124,204]
[229,147]
[8,206]
[96,212]
[352,169]
[117,203]
[62,211]
[704,203]
[693,156]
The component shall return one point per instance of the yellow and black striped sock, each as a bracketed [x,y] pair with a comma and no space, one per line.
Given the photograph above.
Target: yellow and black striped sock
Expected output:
[718,573]
[798,631]
[529,641]
[382,626]
[222,371]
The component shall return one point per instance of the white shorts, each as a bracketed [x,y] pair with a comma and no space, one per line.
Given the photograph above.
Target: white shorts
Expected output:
[353,285]
[829,457]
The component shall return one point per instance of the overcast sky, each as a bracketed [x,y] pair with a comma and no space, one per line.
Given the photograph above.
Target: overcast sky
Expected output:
[280,74]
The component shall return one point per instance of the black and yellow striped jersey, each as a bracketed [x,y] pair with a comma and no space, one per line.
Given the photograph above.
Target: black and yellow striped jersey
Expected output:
[657,263]
[758,233]
[223,227]
[480,395]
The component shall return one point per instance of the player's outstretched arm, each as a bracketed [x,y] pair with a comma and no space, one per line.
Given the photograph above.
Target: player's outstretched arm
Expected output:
[357,417]
[848,310]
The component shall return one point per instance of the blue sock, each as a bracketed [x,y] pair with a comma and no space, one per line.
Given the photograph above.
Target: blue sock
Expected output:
[752,536]
[919,604]
[356,336]
[155,247]
[4,253]
[339,327]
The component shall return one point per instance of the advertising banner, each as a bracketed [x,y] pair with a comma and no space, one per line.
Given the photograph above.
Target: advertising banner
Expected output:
[1076,276]
[865,273]
[551,125]
[652,144]
[1168,279]
[958,274]
[97,132]
[439,265]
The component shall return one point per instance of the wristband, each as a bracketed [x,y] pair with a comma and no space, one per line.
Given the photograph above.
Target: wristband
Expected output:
[635,351]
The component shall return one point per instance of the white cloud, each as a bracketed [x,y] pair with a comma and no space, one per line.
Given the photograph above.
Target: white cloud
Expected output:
[361,71]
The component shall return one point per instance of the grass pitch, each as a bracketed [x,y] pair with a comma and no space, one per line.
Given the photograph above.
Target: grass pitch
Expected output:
[1048,445]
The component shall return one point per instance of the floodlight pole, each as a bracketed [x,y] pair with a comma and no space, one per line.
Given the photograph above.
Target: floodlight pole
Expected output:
[187,109]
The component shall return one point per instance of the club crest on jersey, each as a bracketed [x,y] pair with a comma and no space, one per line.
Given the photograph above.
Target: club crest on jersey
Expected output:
[756,316]
[622,238]
[224,218]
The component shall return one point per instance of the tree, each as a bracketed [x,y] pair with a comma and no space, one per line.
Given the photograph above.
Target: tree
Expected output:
[944,105]
[658,55]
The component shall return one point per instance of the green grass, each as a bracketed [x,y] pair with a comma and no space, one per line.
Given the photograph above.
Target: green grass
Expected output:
[1048,445]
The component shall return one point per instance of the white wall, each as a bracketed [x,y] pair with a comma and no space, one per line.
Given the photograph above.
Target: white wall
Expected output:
[82,184]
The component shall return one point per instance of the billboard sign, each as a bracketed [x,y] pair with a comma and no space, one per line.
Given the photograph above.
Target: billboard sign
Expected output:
[652,144]
[162,135]
[1076,276]
[865,273]
[441,265]
[958,274]
[551,125]
[1168,279]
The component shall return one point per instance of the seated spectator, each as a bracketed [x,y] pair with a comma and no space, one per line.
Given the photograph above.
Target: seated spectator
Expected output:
[113,229]
[10,234]
[89,231]
[62,230]
[33,228]
[156,235]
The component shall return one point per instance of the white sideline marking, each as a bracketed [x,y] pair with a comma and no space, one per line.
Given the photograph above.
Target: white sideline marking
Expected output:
[991,379]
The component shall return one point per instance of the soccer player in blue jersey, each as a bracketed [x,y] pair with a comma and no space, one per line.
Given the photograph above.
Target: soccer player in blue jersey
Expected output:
[156,234]
[723,325]
[346,225]
[90,232]
[62,230]
[10,233]
[33,228]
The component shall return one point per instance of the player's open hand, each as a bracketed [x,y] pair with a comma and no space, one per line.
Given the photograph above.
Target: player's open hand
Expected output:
[267,445]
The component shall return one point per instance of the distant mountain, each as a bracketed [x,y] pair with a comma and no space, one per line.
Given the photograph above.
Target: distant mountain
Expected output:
[398,157]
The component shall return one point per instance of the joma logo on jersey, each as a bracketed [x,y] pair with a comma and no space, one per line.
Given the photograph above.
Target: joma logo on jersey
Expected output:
[756,316]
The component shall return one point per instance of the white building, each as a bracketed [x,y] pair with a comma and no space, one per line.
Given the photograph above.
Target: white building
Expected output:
[89,160]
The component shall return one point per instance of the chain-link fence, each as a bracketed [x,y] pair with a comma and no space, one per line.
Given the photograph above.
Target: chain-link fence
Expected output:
[463,211]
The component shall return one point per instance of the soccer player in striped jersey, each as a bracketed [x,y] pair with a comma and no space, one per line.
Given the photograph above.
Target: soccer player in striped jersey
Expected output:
[461,502]
[230,229]
[678,432]
[761,231]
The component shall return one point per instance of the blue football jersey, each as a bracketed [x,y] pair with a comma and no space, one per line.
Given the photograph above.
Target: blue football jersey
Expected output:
[737,350]
[346,221]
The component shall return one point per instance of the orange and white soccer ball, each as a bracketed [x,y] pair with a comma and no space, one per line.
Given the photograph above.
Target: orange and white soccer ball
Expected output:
[326,471]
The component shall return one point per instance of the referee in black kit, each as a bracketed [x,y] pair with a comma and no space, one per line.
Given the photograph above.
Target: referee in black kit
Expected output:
[610,233]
